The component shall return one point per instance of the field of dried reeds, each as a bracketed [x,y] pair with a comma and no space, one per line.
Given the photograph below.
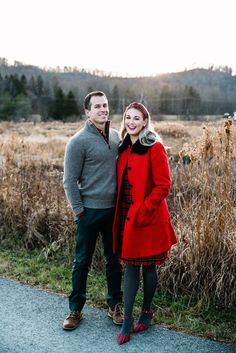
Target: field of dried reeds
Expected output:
[34,212]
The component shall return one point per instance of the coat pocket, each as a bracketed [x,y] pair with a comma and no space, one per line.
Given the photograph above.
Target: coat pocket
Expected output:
[146,217]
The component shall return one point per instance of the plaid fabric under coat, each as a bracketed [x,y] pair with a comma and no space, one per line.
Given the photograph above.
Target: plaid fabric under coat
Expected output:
[126,201]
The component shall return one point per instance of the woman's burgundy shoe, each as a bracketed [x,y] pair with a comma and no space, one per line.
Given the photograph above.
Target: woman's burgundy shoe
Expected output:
[125,337]
[138,327]
[141,326]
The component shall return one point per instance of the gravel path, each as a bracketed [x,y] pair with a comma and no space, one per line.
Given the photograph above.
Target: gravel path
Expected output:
[31,322]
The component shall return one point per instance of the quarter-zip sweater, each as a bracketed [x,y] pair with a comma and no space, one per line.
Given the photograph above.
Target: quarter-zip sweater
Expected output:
[90,169]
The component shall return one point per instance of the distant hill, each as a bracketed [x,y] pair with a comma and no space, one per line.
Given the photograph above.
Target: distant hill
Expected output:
[211,91]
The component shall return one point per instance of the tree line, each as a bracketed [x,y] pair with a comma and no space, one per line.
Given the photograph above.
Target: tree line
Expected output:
[28,90]
[21,98]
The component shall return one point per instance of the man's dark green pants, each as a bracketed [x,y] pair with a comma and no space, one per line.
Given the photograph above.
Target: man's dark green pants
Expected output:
[90,224]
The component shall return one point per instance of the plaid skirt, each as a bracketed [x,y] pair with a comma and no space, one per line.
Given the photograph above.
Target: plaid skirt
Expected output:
[126,201]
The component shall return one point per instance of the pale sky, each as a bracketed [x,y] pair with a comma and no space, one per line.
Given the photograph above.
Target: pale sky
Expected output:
[130,37]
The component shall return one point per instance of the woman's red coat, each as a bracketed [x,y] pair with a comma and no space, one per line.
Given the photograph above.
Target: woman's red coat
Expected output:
[148,229]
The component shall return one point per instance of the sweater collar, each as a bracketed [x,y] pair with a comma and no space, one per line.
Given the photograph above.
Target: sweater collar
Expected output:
[92,128]
[137,147]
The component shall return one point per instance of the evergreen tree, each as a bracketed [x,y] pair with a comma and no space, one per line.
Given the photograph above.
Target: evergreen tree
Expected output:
[7,107]
[129,96]
[168,101]
[22,107]
[114,100]
[58,109]
[39,86]
[71,107]
[191,103]
[14,85]
[23,82]
[1,85]
[32,85]
[164,100]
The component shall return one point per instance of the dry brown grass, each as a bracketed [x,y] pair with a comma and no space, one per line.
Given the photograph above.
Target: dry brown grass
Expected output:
[34,212]
[33,207]
[203,206]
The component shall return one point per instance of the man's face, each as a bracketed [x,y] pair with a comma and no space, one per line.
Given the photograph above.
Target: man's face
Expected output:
[99,110]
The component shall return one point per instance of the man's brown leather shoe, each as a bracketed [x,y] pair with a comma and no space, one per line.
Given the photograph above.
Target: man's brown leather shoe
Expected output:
[72,320]
[116,313]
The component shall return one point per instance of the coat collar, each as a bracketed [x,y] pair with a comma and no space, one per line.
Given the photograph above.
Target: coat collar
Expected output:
[137,147]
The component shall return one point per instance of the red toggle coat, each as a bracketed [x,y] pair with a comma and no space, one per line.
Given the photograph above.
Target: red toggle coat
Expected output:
[148,229]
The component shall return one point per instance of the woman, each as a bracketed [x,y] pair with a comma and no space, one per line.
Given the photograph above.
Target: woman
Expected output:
[142,229]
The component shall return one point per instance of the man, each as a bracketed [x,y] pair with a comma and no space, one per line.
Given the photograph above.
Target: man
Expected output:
[90,186]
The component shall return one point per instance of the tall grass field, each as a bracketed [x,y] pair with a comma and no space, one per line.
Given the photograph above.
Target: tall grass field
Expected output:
[35,215]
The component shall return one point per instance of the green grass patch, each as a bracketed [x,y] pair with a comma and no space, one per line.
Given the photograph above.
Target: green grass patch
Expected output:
[54,274]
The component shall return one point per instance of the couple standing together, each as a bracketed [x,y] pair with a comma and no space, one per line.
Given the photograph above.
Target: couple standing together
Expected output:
[124,199]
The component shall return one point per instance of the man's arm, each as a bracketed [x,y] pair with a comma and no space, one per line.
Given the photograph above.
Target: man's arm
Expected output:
[73,164]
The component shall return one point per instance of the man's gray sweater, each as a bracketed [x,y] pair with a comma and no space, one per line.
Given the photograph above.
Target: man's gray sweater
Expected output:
[90,169]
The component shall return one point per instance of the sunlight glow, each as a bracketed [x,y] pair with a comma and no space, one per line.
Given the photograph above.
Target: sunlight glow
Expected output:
[127,37]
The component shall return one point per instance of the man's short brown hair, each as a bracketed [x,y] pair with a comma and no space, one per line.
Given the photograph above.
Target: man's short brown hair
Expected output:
[87,99]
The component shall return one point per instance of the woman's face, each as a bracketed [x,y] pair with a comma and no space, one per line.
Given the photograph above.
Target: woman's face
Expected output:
[134,122]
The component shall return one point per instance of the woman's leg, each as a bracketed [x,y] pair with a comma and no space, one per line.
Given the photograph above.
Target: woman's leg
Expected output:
[149,285]
[131,285]
[149,288]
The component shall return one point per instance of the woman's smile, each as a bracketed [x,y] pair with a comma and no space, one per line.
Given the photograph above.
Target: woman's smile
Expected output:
[134,122]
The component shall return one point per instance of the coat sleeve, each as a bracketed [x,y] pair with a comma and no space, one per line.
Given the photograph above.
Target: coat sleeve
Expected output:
[160,177]
[73,165]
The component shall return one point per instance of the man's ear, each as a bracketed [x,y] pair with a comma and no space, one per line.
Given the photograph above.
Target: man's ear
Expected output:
[86,112]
